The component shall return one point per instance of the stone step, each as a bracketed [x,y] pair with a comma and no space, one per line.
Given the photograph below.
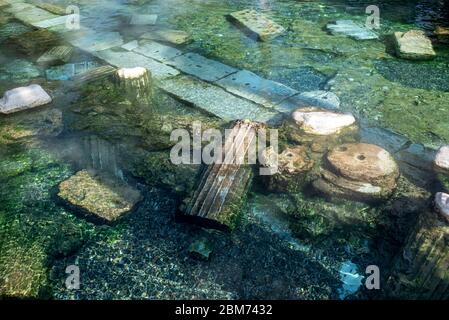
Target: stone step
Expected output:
[256,24]
[157,51]
[252,87]
[126,59]
[201,67]
[216,101]
[218,200]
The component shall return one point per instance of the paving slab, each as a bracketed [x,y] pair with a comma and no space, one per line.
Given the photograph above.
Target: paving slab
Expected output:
[201,67]
[215,100]
[126,59]
[32,15]
[92,41]
[352,29]
[157,51]
[13,29]
[390,141]
[257,24]
[130,46]
[143,19]
[167,35]
[53,22]
[18,7]
[319,98]
[252,87]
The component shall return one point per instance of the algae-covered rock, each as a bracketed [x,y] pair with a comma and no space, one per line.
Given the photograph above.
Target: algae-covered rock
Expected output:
[257,24]
[358,171]
[35,43]
[288,167]
[201,249]
[103,197]
[19,70]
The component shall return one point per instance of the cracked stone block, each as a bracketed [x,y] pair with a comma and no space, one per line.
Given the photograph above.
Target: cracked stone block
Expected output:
[201,67]
[256,24]
[143,19]
[157,51]
[413,45]
[215,100]
[351,29]
[252,87]
[130,46]
[126,59]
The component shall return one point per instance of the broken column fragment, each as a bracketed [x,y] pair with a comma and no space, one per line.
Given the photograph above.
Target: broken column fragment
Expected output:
[56,55]
[420,270]
[23,98]
[256,24]
[220,196]
[288,168]
[100,197]
[358,171]
[135,83]
[93,74]
[320,128]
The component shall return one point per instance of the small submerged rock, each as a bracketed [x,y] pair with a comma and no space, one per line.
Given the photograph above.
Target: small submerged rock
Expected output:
[442,204]
[289,168]
[23,98]
[99,196]
[358,171]
[441,162]
[201,249]
[413,45]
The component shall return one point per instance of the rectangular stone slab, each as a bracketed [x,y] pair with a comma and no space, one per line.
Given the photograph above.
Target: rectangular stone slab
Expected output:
[56,55]
[252,87]
[23,98]
[157,51]
[93,75]
[215,100]
[126,59]
[390,141]
[52,8]
[53,22]
[143,19]
[167,35]
[256,24]
[351,29]
[92,41]
[201,67]
[33,15]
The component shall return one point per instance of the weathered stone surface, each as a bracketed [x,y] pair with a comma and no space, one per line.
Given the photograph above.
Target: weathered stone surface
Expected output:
[319,128]
[352,29]
[257,24]
[358,171]
[19,70]
[157,51]
[442,204]
[421,269]
[390,141]
[33,15]
[12,29]
[215,100]
[252,87]
[167,35]
[18,7]
[319,98]
[51,8]
[23,98]
[102,197]
[130,46]
[320,122]
[35,43]
[416,163]
[217,203]
[288,168]
[143,19]
[201,67]
[56,55]
[441,161]
[92,41]
[130,60]
[413,45]
[50,23]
